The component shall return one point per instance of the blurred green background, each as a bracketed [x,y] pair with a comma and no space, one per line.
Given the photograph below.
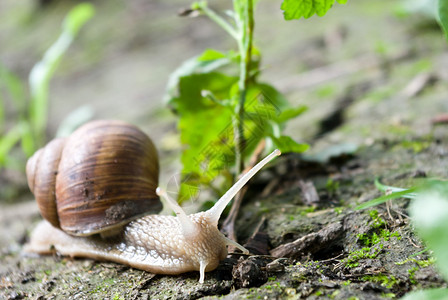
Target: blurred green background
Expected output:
[118,66]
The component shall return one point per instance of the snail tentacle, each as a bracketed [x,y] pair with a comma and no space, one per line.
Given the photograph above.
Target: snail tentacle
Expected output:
[230,242]
[189,228]
[216,211]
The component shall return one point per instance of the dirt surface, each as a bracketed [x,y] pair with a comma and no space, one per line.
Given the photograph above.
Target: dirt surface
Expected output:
[374,82]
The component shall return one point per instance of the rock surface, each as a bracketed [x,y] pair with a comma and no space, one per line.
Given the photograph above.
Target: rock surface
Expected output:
[359,70]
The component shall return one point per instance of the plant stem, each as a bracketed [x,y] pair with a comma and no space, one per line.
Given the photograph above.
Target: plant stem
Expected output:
[243,34]
[219,20]
[245,13]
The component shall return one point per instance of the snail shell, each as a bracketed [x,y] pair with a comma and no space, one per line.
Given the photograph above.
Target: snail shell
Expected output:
[101,177]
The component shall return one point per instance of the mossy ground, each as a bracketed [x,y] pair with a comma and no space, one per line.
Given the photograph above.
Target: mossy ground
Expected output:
[362,124]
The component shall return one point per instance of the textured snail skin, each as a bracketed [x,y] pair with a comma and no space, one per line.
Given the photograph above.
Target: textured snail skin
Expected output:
[153,243]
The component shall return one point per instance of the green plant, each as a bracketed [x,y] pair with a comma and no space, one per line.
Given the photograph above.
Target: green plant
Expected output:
[384,280]
[379,233]
[118,297]
[429,213]
[421,263]
[11,87]
[442,9]
[411,273]
[353,258]
[338,210]
[224,111]
[391,193]
[377,220]
[332,187]
[28,126]
[295,9]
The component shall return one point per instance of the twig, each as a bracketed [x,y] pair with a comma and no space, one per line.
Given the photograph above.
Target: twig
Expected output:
[413,244]
[270,187]
[418,84]
[388,204]
[229,223]
[361,275]
[258,241]
[331,259]
[400,214]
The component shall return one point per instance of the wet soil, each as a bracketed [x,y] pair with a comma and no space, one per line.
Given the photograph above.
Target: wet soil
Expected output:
[371,115]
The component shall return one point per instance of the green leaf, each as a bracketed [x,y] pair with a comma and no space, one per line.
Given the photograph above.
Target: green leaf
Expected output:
[430,294]
[393,189]
[43,71]
[271,96]
[190,99]
[7,141]
[443,15]
[2,113]
[211,54]
[207,62]
[77,17]
[429,212]
[393,193]
[287,144]
[14,87]
[205,128]
[385,198]
[206,119]
[263,106]
[27,139]
[296,9]
[290,113]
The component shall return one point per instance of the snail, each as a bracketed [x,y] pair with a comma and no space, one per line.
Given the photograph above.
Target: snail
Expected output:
[78,181]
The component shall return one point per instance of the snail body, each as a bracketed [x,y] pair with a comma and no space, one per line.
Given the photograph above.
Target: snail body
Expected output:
[155,243]
[152,243]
